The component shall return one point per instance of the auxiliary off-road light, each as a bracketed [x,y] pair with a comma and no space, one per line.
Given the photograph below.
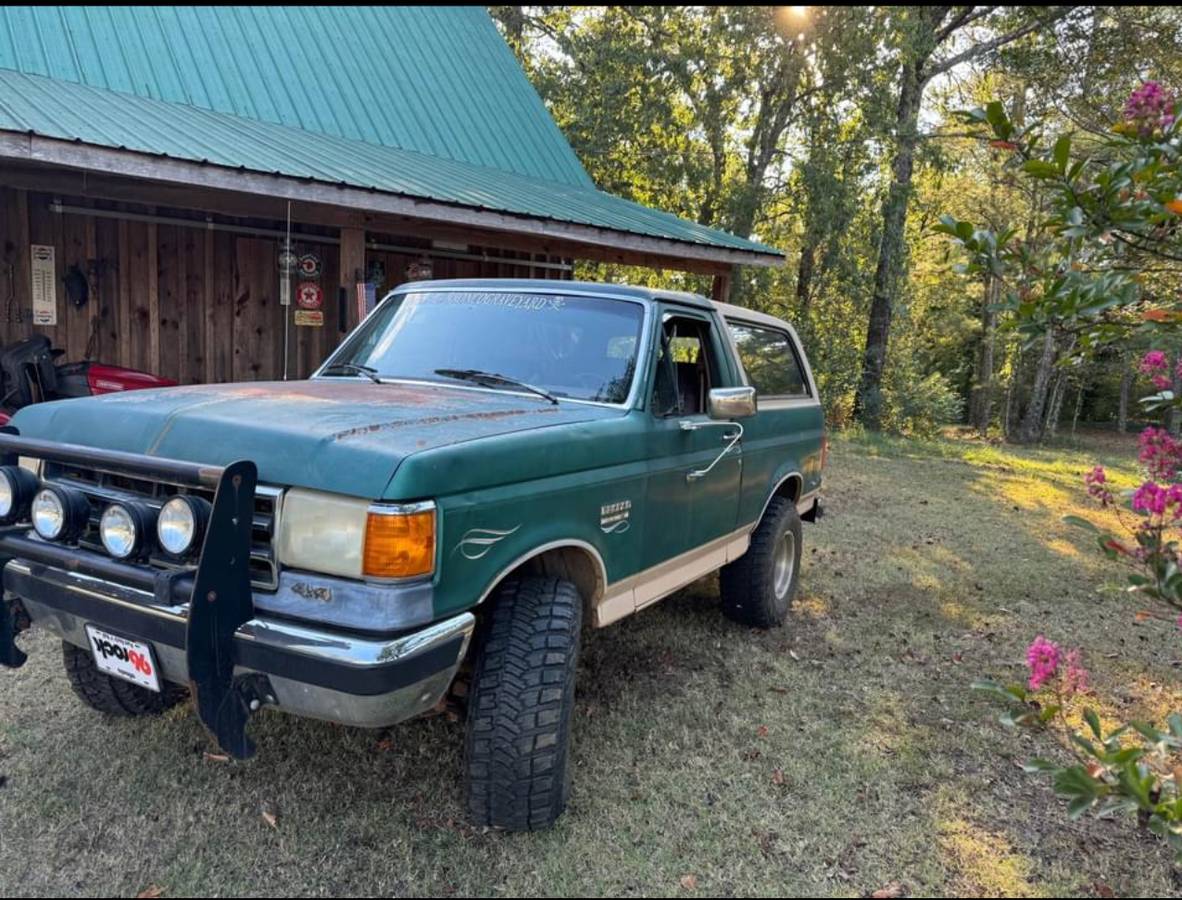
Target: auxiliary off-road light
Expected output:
[124,529]
[59,513]
[17,487]
[399,541]
[181,524]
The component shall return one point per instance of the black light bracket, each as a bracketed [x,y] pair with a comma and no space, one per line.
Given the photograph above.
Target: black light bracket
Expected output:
[221,603]
[13,620]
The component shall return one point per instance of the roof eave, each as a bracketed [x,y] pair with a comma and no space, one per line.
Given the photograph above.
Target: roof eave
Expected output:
[26,147]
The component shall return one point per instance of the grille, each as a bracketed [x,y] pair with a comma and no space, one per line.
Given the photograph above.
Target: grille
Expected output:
[102,488]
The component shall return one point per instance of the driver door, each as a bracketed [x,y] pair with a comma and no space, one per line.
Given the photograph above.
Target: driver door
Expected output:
[687,514]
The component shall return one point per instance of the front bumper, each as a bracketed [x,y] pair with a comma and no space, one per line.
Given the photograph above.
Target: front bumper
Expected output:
[203,620]
[359,680]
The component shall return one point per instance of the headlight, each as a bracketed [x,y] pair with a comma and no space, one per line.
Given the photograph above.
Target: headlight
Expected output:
[124,529]
[60,514]
[17,487]
[355,538]
[181,524]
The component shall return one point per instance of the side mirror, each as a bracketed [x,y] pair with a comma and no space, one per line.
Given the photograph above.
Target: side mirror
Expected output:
[731,403]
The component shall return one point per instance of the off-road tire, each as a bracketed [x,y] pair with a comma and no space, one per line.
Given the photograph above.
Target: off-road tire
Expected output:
[111,695]
[748,585]
[521,703]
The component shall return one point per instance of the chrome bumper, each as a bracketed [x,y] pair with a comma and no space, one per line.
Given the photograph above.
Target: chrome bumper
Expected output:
[365,681]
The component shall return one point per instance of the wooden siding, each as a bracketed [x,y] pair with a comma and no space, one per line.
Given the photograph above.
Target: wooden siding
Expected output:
[190,303]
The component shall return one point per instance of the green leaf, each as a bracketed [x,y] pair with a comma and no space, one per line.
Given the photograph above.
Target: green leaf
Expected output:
[1083,790]
[1006,692]
[1093,721]
[1049,712]
[1040,765]
[995,115]
[1080,522]
[1062,153]
[1149,732]
[1087,746]
[1040,168]
[1079,806]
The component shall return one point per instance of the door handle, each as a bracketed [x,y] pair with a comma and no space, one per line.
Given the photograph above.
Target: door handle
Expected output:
[731,441]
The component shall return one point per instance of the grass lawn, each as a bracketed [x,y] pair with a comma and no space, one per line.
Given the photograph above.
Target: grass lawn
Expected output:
[833,756]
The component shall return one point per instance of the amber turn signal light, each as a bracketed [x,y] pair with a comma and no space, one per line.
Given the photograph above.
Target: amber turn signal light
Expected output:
[399,541]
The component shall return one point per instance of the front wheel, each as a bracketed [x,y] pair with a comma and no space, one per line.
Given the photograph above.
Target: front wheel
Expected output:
[758,587]
[521,703]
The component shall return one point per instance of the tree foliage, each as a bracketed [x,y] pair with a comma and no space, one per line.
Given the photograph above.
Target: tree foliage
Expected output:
[794,125]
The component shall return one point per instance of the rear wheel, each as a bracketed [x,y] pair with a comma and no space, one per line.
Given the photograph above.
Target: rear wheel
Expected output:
[521,703]
[111,695]
[758,587]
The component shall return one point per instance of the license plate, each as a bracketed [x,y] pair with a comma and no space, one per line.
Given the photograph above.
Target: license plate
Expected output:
[124,658]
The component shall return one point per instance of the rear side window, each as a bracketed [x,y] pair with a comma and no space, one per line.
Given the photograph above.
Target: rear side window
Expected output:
[770,360]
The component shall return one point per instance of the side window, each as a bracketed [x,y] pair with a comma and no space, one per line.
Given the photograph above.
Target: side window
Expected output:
[770,360]
[686,368]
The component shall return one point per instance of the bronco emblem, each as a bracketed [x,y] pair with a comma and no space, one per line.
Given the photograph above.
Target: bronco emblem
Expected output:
[613,517]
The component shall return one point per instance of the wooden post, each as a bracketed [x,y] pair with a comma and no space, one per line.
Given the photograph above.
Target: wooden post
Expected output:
[721,289]
[352,270]
[153,274]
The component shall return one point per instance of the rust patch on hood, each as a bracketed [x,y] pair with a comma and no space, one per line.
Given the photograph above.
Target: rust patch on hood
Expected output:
[365,430]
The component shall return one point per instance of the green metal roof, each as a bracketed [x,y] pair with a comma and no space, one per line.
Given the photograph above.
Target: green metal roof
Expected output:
[437,80]
[154,90]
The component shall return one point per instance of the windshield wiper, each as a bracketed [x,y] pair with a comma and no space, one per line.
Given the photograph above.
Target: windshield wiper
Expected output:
[368,371]
[492,379]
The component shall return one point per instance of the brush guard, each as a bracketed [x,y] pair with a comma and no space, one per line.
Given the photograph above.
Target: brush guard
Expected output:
[218,590]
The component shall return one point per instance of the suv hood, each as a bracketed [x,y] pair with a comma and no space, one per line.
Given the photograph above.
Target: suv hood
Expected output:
[342,435]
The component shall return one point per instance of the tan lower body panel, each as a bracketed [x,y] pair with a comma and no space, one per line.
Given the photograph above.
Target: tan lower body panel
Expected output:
[644,588]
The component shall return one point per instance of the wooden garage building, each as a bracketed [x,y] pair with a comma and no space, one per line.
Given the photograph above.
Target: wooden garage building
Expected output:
[190,190]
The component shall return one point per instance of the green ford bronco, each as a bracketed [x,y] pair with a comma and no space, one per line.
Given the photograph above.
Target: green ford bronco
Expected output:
[482,469]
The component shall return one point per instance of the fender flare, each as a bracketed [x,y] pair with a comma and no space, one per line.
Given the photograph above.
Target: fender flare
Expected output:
[548,547]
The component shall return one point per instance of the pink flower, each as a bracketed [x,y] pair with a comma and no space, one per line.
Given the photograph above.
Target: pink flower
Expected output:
[1075,678]
[1161,382]
[1096,481]
[1150,106]
[1150,498]
[1160,453]
[1042,658]
[1153,361]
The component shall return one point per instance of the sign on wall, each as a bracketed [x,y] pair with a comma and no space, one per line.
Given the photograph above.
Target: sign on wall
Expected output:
[309,317]
[309,295]
[44,285]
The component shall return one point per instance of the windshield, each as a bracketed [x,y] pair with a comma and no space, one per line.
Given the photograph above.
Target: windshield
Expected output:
[582,348]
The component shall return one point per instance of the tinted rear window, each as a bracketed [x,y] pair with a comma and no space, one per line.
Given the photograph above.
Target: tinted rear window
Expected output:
[770,360]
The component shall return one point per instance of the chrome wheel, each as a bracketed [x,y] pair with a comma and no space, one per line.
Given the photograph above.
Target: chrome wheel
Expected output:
[784,564]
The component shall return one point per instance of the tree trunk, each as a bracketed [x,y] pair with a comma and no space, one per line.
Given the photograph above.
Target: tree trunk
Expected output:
[1007,416]
[1050,426]
[1030,429]
[981,406]
[1078,408]
[1126,386]
[891,249]
[804,278]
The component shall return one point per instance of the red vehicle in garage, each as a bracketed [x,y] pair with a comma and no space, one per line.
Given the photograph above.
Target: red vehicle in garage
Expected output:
[30,372]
